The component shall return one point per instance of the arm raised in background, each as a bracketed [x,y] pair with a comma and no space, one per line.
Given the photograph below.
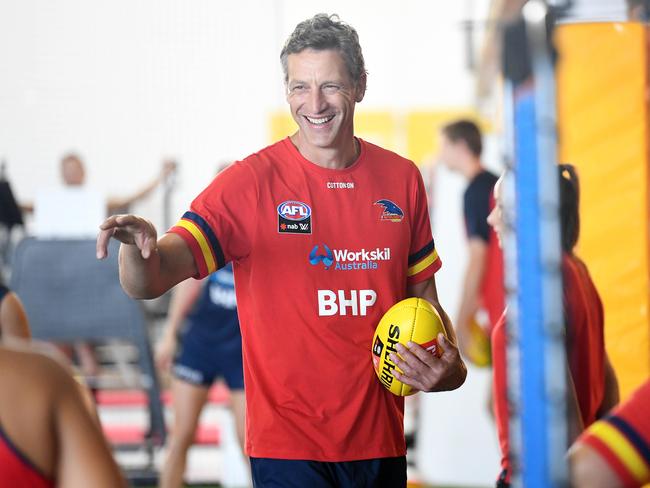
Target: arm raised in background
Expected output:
[148,266]
[421,369]
[120,204]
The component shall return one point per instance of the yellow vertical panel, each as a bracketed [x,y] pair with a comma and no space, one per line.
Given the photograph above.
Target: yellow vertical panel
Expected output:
[603,127]
[281,125]
[378,127]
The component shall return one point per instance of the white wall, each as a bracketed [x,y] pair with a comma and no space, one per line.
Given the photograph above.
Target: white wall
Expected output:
[125,83]
[128,82]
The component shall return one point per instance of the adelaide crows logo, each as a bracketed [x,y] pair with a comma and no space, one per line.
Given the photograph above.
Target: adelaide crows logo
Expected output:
[327,259]
[391,211]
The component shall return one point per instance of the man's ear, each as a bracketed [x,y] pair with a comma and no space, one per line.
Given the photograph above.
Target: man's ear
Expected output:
[361,88]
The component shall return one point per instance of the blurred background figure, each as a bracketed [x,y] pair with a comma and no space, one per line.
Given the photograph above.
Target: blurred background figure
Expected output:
[201,343]
[482,296]
[591,381]
[48,437]
[638,10]
[72,210]
[615,451]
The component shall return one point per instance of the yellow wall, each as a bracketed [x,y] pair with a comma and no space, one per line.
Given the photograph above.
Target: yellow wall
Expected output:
[411,134]
[603,128]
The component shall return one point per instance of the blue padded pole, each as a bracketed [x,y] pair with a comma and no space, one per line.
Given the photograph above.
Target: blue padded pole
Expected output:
[539,416]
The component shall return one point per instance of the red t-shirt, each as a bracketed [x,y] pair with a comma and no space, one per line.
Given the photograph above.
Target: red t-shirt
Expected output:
[585,346]
[623,438]
[16,470]
[319,255]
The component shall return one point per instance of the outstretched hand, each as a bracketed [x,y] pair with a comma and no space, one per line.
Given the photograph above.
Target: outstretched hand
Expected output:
[128,229]
[426,372]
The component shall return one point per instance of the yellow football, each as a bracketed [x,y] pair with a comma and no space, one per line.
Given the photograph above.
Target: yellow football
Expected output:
[412,319]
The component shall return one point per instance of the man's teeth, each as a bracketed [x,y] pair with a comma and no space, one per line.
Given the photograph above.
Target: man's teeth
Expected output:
[322,120]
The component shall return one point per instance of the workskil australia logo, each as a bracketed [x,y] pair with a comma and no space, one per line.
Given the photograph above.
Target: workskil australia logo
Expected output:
[348,260]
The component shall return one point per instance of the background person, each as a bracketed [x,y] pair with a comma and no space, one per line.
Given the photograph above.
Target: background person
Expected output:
[48,437]
[461,149]
[591,385]
[203,333]
[615,451]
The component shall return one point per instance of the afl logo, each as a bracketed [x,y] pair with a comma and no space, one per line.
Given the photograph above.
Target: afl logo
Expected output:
[293,210]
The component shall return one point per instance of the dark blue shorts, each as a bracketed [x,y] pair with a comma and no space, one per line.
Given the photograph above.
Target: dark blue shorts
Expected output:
[201,362]
[287,473]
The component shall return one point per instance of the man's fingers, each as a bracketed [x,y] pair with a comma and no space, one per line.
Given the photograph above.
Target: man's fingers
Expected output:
[449,351]
[102,243]
[408,380]
[403,365]
[107,230]
[421,353]
[128,229]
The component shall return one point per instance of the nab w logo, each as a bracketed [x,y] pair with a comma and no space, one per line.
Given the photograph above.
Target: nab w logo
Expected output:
[327,259]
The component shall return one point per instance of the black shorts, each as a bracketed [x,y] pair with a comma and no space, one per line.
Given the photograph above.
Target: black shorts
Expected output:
[288,473]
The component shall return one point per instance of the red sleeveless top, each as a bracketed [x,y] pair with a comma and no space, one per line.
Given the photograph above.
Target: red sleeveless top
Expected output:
[16,470]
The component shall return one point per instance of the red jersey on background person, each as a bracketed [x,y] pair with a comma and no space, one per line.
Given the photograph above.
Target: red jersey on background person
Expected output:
[17,470]
[592,377]
[615,451]
[461,149]
[326,232]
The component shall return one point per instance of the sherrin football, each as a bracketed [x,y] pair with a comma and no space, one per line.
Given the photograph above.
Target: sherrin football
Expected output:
[412,319]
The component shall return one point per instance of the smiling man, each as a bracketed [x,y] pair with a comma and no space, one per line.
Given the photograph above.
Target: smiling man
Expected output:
[326,232]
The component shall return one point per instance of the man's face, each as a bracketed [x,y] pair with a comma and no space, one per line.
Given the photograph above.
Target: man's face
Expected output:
[450,152]
[495,219]
[322,97]
[72,171]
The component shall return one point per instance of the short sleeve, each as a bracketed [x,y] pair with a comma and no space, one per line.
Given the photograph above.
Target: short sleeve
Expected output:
[423,259]
[219,226]
[623,438]
[476,208]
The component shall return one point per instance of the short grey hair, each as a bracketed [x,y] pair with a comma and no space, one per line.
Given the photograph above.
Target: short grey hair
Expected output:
[323,32]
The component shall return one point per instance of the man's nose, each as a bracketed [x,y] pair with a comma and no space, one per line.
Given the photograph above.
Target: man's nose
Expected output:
[317,101]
